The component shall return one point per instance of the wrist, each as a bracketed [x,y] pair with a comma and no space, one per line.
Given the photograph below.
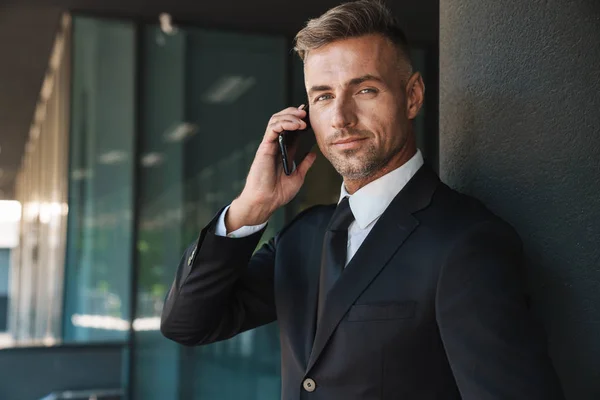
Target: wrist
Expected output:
[243,213]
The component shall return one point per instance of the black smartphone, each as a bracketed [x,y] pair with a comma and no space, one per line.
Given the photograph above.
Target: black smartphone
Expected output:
[295,145]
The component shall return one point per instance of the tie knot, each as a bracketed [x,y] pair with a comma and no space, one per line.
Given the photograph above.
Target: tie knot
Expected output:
[342,216]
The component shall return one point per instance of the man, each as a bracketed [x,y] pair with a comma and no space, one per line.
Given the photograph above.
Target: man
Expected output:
[405,289]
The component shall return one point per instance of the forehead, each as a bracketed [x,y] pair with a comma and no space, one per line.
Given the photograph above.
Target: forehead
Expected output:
[350,58]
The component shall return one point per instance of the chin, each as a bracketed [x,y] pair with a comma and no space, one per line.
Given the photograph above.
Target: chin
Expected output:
[355,172]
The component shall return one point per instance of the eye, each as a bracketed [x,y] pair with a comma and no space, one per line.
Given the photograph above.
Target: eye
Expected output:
[323,97]
[368,90]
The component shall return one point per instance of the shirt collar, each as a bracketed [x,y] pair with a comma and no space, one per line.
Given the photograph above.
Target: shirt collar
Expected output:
[370,201]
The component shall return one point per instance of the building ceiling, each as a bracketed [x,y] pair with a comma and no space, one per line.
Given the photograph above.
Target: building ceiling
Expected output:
[27,33]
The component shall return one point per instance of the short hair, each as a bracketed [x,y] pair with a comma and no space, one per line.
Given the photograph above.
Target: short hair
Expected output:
[350,20]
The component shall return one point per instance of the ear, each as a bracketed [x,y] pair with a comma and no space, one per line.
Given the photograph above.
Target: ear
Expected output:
[415,94]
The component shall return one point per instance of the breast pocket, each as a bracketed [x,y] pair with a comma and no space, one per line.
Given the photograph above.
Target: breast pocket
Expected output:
[382,311]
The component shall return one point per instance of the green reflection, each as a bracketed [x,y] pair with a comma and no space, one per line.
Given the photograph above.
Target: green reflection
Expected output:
[99,236]
[207,98]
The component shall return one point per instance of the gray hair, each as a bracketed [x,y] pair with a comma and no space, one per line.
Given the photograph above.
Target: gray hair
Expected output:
[349,20]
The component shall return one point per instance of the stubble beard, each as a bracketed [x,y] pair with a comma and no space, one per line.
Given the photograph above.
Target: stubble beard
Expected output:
[352,165]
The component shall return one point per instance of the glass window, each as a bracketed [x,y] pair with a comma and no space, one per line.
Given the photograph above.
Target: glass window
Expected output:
[207,99]
[99,241]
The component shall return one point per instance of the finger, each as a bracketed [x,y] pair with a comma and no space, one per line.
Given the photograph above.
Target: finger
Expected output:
[296,111]
[306,164]
[290,114]
[300,123]
[275,128]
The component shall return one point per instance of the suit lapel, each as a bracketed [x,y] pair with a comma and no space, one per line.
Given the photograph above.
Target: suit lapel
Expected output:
[314,267]
[297,299]
[391,230]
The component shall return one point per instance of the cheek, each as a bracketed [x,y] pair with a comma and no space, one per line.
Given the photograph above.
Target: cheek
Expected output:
[319,127]
[377,124]
[386,126]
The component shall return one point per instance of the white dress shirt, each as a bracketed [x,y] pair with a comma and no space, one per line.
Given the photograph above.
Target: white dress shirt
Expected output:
[367,205]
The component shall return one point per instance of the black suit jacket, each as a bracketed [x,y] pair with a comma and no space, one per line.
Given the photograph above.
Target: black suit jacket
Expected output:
[432,306]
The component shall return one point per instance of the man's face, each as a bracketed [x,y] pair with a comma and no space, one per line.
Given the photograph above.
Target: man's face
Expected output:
[359,106]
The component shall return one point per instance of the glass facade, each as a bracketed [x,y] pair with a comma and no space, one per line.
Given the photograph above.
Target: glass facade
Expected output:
[207,97]
[99,239]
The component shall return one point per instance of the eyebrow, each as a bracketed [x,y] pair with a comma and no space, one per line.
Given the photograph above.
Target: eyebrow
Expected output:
[351,82]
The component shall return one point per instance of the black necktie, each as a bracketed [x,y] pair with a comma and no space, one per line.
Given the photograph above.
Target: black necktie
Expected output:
[335,246]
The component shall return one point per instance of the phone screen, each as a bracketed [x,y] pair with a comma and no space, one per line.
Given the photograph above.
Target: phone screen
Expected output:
[295,145]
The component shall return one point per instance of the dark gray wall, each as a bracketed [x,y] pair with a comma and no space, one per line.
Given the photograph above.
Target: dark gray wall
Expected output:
[31,373]
[520,129]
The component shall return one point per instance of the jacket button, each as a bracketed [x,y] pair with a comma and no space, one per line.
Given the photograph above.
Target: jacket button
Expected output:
[309,385]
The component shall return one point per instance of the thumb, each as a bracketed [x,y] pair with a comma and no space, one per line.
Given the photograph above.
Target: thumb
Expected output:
[306,164]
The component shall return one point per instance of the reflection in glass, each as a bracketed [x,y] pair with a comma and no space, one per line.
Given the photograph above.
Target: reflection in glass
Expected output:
[100,176]
[208,97]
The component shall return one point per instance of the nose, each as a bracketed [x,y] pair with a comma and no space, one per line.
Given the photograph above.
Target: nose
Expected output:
[344,114]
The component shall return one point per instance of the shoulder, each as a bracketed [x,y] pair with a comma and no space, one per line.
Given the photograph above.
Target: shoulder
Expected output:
[476,244]
[462,215]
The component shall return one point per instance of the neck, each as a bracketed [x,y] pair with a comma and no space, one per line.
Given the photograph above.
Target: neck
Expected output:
[398,160]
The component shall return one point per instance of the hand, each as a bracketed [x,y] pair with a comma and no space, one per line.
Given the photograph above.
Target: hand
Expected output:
[267,187]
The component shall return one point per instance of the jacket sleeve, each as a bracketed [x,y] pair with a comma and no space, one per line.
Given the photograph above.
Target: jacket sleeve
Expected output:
[221,289]
[495,349]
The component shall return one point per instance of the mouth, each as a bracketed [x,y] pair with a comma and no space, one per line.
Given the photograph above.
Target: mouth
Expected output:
[348,143]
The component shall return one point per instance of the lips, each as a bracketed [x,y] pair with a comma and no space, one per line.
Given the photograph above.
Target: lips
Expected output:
[348,140]
[348,143]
